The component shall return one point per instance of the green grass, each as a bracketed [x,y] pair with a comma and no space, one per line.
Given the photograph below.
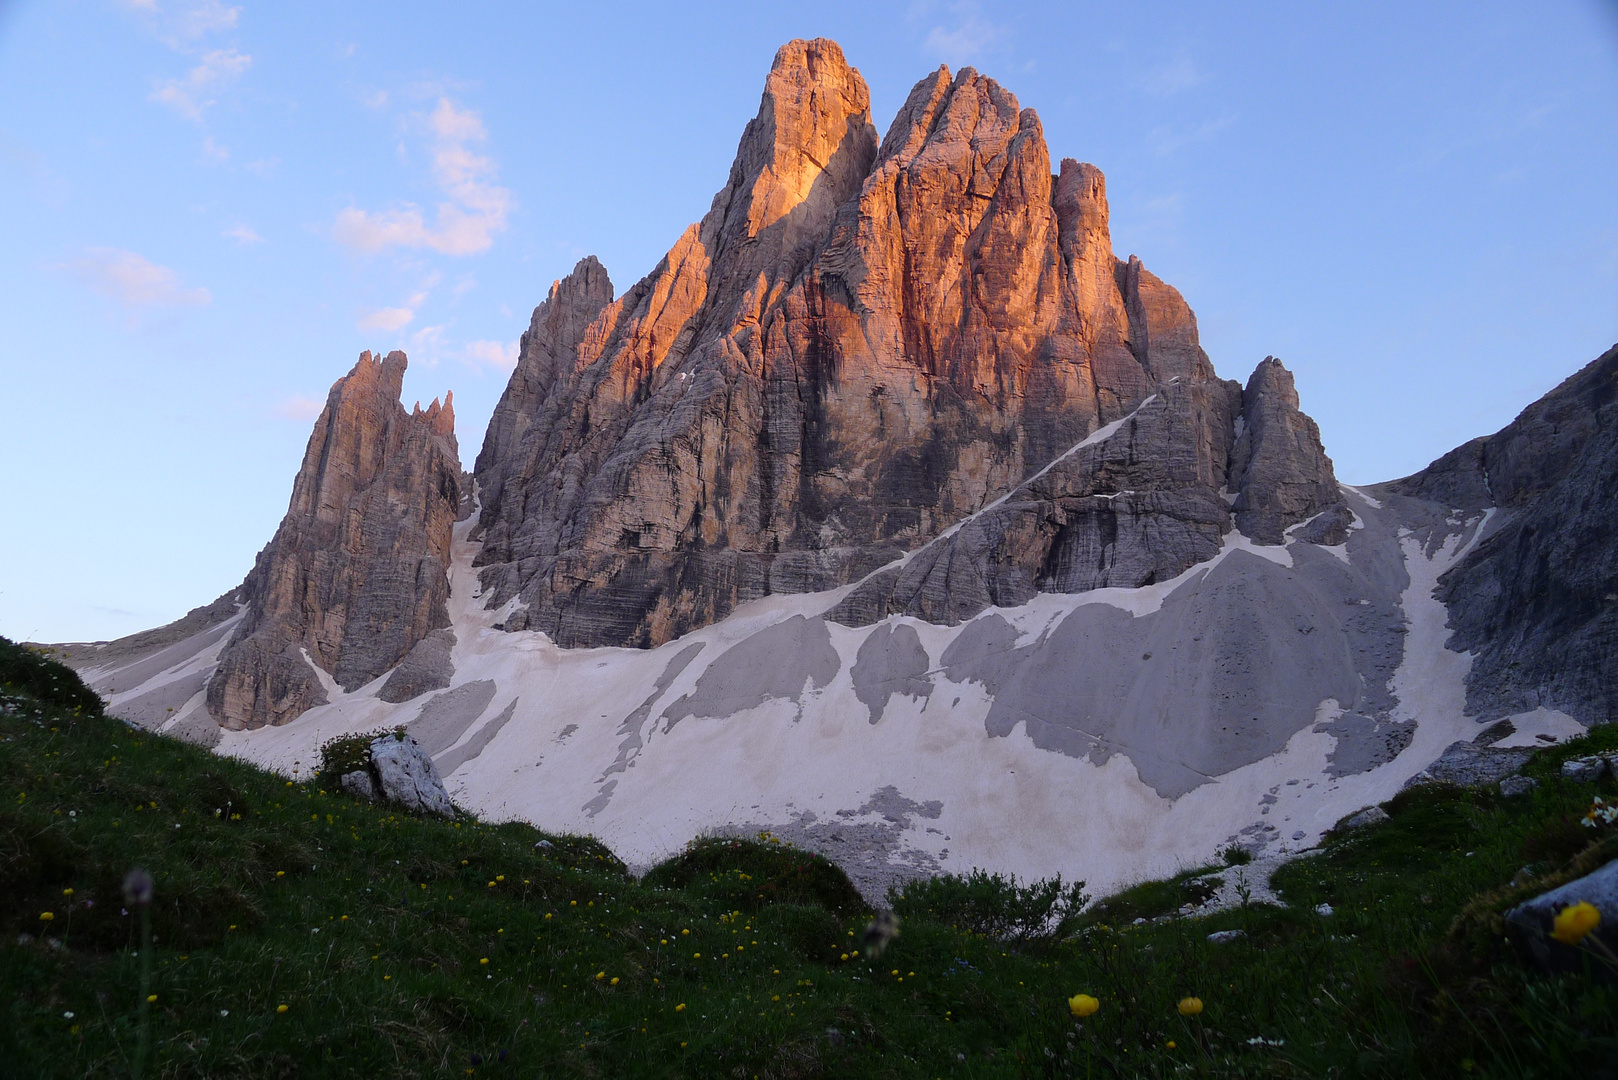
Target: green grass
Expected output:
[395,956]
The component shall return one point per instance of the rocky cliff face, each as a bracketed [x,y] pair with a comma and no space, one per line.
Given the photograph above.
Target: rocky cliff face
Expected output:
[861,344]
[355,576]
[1537,598]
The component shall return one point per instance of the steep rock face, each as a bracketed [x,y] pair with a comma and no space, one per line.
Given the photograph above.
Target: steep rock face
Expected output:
[355,575]
[1278,468]
[1537,599]
[858,346]
[1128,507]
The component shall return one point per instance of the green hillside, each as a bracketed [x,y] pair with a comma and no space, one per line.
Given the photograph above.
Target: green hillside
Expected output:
[298,933]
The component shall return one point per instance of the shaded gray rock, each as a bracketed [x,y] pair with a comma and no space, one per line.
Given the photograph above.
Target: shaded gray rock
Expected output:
[1514,786]
[891,661]
[1328,528]
[359,784]
[778,662]
[1585,770]
[453,759]
[1468,764]
[425,667]
[1371,815]
[406,775]
[1531,922]
[1536,600]
[1278,467]
[445,717]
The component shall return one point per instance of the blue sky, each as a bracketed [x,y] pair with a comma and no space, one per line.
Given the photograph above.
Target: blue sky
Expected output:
[210,208]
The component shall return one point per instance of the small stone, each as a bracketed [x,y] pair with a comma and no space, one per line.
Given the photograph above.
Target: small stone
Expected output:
[1585,770]
[1324,910]
[1513,786]
[834,1036]
[1299,835]
[1225,937]
[359,784]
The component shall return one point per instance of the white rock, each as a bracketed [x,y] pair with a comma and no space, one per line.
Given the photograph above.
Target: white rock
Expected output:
[409,777]
[1225,937]
[1323,910]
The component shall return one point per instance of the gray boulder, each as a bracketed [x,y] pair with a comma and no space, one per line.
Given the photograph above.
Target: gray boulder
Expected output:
[1531,922]
[1371,815]
[407,776]
[1584,770]
[359,784]
[1469,764]
[1513,786]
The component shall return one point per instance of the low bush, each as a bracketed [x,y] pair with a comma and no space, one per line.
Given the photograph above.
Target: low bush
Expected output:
[1039,913]
[748,874]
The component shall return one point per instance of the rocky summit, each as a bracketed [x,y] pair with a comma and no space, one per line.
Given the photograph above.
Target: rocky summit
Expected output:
[894,512]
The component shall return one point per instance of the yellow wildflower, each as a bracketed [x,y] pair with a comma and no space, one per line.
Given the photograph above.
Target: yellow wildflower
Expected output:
[150,998]
[1170,1044]
[280,1009]
[614,981]
[46,916]
[1190,1006]
[1082,1005]
[67,892]
[680,1007]
[1575,921]
[484,960]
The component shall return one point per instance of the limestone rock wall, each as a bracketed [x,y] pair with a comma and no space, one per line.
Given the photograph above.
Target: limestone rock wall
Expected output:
[1537,598]
[862,343]
[356,573]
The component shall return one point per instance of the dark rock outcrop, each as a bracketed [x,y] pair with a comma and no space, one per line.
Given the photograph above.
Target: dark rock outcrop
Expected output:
[1278,467]
[860,345]
[356,574]
[1537,598]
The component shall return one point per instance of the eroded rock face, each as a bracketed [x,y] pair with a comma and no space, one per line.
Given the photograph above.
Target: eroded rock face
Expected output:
[1537,599]
[1278,468]
[356,574]
[861,344]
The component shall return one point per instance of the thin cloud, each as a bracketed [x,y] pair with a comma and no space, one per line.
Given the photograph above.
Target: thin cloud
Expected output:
[465,223]
[386,319]
[243,234]
[194,93]
[966,38]
[1171,78]
[134,280]
[297,408]
[1166,140]
[499,355]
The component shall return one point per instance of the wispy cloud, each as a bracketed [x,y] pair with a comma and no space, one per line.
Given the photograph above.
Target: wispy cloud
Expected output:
[1166,140]
[298,408]
[196,92]
[397,318]
[499,355]
[465,223]
[964,36]
[386,319]
[243,234]
[134,280]
[1166,80]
